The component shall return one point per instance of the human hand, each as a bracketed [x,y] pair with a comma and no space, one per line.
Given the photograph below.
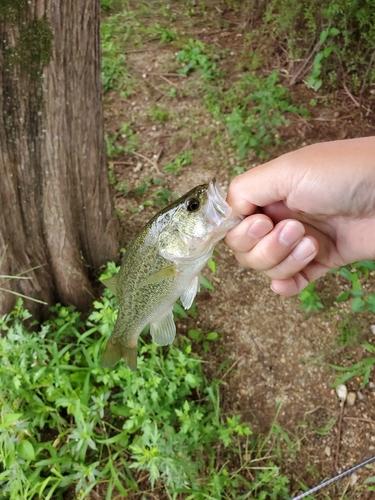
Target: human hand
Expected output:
[307,212]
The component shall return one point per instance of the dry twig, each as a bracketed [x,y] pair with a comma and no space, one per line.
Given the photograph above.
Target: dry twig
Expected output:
[342,404]
[150,160]
[359,419]
[232,366]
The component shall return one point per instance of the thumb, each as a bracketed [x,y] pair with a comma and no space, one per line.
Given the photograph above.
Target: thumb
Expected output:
[259,187]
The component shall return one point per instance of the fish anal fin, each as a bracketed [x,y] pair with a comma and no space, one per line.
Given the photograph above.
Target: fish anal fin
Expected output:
[189,294]
[111,283]
[162,274]
[114,351]
[163,330]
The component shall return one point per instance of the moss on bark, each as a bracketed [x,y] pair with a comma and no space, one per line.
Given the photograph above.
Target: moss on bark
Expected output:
[31,48]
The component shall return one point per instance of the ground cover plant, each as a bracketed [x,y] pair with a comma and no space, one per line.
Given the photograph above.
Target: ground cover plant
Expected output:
[67,424]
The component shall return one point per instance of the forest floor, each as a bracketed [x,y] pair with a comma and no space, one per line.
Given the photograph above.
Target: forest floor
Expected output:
[273,357]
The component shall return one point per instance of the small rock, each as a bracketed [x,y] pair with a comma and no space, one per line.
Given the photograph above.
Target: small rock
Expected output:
[371,385]
[372,328]
[353,479]
[342,391]
[351,397]
[327,451]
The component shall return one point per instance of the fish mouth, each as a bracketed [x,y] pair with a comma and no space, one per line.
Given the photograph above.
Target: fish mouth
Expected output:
[217,196]
[218,212]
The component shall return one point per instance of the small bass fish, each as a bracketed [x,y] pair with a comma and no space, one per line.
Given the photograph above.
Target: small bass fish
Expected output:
[162,265]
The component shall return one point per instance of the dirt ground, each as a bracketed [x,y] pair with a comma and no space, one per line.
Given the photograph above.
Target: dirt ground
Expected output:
[272,352]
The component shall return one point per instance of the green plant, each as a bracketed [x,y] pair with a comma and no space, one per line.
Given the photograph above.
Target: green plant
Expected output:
[348,58]
[354,273]
[259,108]
[362,369]
[158,114]
[348,329]
[163,196]
[325,428]
[115,33]
[195,56]
[314,80]
[310,301]
[125,134]
[203,338]
[166,35]
[174,167]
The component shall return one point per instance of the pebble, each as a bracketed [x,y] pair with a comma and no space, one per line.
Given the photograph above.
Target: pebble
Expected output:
[360,395]
[351,397]
[342,392]
[353,479]
[327,451]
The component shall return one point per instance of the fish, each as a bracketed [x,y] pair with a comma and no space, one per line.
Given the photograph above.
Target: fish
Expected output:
[163,264]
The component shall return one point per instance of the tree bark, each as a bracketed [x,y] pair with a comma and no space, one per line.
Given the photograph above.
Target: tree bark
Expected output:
[55,203]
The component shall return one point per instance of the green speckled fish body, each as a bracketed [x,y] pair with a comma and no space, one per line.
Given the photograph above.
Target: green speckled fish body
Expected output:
[162,265]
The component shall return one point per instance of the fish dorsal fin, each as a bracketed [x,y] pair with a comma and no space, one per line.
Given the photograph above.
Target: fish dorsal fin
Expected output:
[163,330]
[111,283]
[113,353]
[162,274]
[189,294]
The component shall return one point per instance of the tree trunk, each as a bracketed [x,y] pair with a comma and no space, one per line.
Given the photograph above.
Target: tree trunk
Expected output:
[55,205]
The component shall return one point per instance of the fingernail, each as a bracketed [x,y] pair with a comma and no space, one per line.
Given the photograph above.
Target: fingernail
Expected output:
[291,233]
[259,228]
[304,249]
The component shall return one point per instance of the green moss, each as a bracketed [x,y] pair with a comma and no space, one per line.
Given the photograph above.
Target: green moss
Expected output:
[12,10]
[33,45]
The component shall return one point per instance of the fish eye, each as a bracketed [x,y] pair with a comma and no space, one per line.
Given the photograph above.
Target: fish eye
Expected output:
[192,204]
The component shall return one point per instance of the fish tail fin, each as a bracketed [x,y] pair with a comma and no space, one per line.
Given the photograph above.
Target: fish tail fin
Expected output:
[130,356]
[113,353]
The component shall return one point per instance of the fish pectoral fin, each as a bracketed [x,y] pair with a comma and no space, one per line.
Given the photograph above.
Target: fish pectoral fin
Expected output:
[163,330]
[114,351]
[162,274]
[189,294]
[111,283]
